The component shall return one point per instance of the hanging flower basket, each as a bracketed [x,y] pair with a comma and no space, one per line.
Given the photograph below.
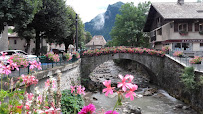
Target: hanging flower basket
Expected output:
[183,33]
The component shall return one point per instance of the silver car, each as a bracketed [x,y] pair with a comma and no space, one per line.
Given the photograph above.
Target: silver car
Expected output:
[20,52]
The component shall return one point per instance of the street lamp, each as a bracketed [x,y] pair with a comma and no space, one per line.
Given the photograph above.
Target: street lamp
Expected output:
[76,18]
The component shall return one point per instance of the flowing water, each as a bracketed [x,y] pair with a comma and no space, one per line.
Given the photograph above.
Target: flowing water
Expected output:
[158,103]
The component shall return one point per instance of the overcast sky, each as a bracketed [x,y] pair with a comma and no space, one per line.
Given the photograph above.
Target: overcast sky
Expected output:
[88,9]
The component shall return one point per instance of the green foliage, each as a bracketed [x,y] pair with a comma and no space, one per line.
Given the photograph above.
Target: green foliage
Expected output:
[188,78]
[70,102]
[10,30]
[201,80]
[10,98]
[88,37]
[17,12]
[129,25]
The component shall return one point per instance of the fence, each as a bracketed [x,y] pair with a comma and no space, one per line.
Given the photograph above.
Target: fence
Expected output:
[185,61]
[45,64]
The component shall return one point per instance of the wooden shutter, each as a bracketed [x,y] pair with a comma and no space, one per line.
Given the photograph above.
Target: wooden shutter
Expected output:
[196,26]
[190,27]
[175,27]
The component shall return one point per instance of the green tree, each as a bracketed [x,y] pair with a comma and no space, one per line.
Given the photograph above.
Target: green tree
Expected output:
[71,24]
[129,25]
[88,37]
[49,22]
[17,12]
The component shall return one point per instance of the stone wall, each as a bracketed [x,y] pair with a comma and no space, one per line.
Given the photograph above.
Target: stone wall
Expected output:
[70,75]
[163,72]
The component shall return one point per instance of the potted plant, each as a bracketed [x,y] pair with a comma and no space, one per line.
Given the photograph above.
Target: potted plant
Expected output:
[178,54]
[19,60]
[196,60]
[68,56]
[51,57]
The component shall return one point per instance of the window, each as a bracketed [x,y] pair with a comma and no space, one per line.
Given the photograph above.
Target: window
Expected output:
[15,41]
[201,46]
[201,27]
[182,46]
[158,21]
[159,31]
[183,27]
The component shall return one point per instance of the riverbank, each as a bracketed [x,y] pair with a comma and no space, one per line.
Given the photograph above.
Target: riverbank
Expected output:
[152,98]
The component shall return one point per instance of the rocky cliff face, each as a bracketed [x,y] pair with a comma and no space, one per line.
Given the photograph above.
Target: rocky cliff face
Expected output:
[103,23]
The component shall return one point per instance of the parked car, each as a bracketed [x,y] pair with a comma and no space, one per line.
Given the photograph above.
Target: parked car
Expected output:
[20,52]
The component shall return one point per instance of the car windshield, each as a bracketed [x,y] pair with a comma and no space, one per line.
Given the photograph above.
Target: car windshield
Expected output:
[21,52]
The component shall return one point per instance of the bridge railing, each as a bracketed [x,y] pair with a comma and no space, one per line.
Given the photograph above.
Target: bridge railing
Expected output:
[185,61]
[45,64]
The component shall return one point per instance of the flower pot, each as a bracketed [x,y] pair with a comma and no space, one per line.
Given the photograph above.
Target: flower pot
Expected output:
[198,63]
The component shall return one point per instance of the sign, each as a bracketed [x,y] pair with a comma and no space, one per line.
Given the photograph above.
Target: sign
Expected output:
[184,41]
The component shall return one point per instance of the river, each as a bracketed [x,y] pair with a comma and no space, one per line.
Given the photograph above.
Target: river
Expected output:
[157,101]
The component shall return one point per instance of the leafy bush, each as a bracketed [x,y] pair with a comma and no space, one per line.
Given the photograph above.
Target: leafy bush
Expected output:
[71,102]
[188,78]
[201,80]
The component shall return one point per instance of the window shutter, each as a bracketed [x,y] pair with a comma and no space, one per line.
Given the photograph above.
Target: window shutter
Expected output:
[175,27]
[190,27]
[196,26]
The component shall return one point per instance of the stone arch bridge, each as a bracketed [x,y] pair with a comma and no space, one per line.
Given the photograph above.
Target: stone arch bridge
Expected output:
[163,71]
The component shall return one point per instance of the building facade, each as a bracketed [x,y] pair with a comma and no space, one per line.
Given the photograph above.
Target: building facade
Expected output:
[17,43]
[4,39]
[178,25]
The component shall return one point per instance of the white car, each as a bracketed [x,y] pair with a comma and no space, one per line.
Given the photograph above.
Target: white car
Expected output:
[20,52]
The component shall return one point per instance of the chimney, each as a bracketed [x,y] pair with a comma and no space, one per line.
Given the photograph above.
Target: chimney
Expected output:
[180,2]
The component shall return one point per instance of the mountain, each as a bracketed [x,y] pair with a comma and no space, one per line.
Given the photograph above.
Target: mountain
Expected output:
[103,23]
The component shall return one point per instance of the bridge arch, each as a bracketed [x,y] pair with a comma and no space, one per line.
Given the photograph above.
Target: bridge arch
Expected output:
[154,64]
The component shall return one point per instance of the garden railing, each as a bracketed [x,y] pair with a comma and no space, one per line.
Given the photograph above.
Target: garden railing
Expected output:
[45,64]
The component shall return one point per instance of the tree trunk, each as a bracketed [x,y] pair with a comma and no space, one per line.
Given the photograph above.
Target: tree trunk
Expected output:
[28,45]
[66,47]
[37,43]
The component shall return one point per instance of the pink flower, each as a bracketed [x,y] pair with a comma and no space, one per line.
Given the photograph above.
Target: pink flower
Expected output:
[111,112]
[39,98]
[35,64]
[47,83]
[125,84]
[131,93]
[83,90]
[3,55]
[80,90]
[89,109]
[30,96]
[72,89]
[109,89]
[29,80]
[5,69]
